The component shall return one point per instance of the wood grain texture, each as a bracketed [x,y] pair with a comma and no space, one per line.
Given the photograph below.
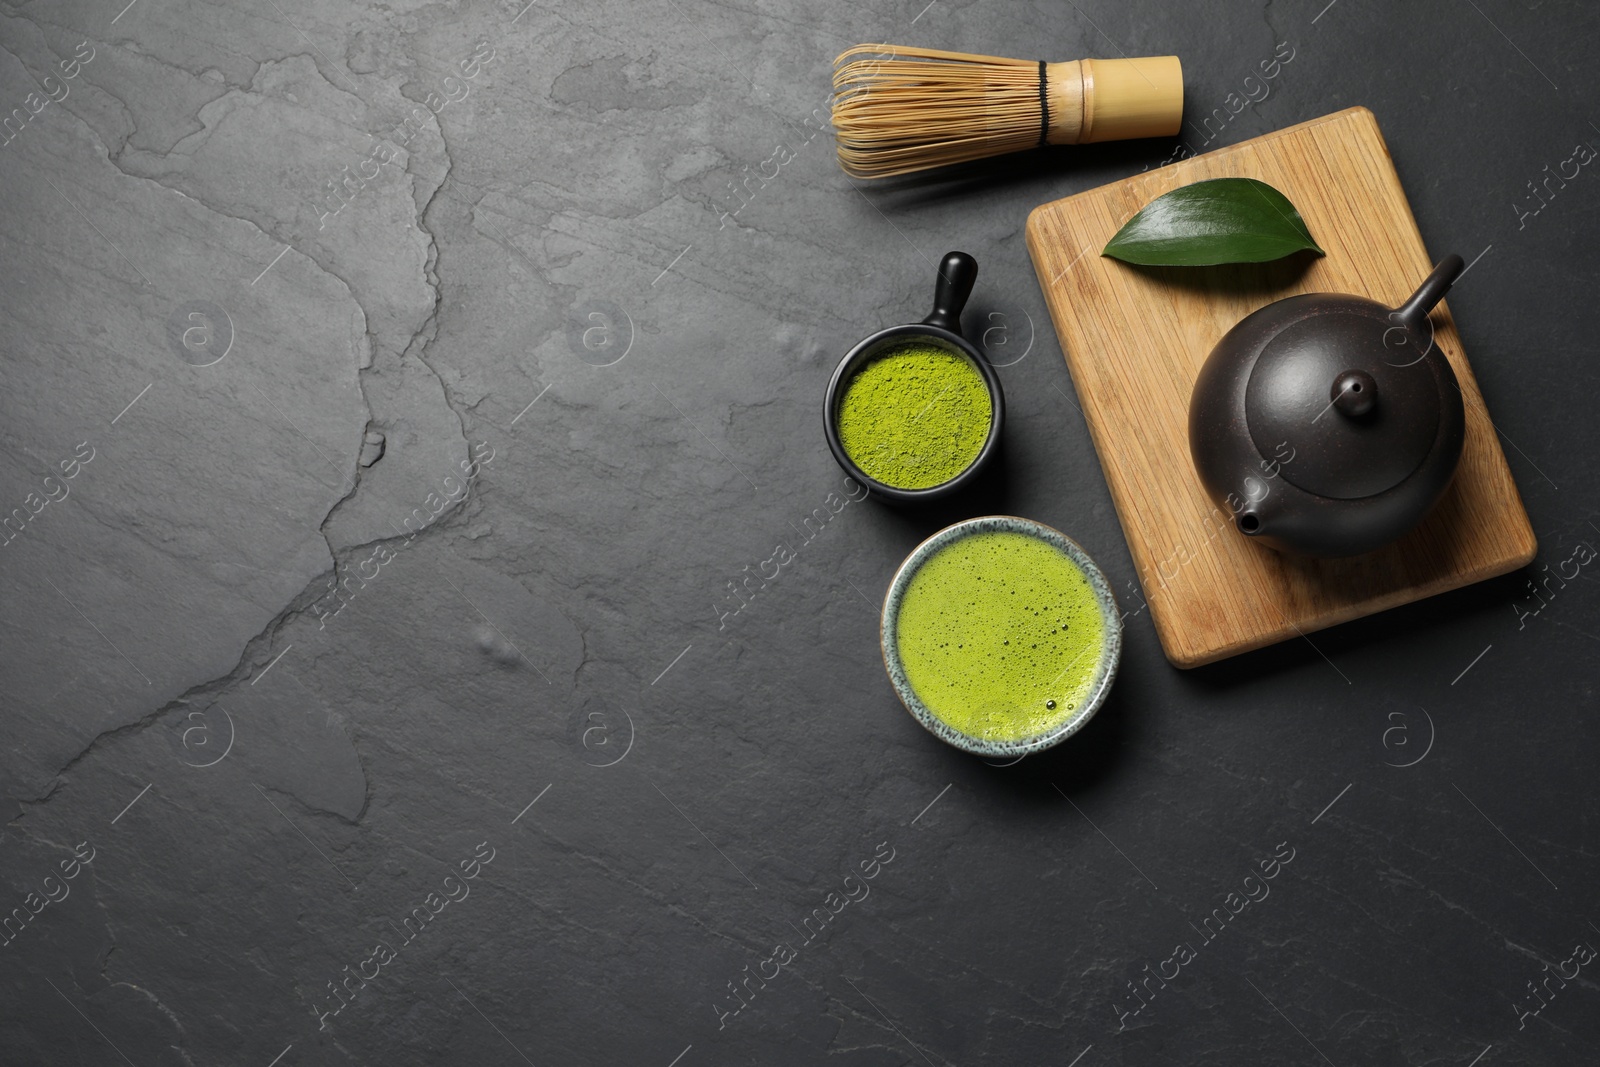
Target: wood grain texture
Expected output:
[1136,337]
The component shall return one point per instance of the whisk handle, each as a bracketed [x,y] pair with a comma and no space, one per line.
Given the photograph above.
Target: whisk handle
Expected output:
[957,274]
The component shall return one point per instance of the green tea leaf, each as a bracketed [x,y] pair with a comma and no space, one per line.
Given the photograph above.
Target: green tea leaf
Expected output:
[1226,220]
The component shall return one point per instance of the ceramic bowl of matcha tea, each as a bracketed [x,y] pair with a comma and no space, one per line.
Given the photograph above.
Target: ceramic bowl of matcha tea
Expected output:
[1001,636]
[914,412]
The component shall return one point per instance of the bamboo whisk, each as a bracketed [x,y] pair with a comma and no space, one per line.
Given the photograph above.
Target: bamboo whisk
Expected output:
[898,110]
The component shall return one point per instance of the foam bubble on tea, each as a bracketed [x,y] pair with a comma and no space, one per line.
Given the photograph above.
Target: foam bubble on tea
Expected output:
[915,416]
[1001,636]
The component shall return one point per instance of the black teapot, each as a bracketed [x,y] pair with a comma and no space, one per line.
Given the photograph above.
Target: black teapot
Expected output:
[1330,424]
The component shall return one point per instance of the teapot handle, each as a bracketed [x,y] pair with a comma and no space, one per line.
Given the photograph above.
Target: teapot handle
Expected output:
[1413,314]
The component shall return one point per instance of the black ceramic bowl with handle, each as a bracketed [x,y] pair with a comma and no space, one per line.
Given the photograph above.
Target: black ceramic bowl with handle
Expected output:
[941,328]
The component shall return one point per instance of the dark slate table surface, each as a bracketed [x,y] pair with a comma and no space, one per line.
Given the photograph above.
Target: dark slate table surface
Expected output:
[374,688]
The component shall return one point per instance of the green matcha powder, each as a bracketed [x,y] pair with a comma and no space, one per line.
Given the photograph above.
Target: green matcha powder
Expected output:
[915,417]
[1001,636]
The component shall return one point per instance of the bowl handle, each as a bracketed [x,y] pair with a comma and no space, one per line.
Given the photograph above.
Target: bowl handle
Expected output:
[957,274]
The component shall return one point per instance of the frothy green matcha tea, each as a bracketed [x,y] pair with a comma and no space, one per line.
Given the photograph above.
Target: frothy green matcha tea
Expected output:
[915,416]
[1000,636]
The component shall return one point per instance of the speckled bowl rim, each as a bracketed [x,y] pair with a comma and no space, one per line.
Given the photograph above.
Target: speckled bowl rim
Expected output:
[1111,656]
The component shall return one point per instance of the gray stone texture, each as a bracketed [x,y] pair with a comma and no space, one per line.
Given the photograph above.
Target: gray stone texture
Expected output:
[460,395]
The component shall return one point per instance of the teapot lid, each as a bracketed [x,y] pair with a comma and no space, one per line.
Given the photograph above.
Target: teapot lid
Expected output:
[1349,392]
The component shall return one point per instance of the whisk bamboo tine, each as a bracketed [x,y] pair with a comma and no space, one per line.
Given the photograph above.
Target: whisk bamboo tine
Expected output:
[897,110]
[893,50]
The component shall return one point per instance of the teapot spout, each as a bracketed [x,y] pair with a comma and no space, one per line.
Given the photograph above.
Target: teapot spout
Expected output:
[1254,505]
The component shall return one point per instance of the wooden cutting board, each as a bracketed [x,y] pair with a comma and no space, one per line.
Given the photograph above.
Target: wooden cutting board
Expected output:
[1135,339]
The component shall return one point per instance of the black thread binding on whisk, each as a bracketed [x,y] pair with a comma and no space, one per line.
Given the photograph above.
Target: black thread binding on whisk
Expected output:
[1044,108]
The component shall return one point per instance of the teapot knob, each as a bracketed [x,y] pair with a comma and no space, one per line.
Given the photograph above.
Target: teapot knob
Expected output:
[1354,393]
